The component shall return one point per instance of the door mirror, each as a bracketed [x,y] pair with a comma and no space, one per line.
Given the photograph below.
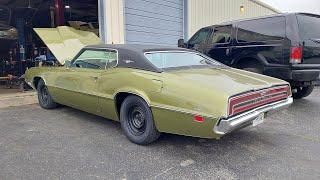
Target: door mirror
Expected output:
[67,63]
[181,43]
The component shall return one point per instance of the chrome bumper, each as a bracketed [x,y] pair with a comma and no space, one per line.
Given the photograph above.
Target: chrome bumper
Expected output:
[224,126]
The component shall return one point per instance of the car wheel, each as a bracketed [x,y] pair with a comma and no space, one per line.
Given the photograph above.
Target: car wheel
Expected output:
[44,97]
[137,121]
[301,92]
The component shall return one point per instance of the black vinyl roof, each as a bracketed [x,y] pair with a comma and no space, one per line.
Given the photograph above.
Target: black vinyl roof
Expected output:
[132,55]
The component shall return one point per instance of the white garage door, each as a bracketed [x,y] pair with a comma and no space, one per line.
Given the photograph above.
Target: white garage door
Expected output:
[153,21]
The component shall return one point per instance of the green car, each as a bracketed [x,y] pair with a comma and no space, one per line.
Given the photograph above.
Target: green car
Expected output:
[154,89]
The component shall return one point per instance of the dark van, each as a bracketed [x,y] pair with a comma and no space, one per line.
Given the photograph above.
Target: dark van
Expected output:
[285,46]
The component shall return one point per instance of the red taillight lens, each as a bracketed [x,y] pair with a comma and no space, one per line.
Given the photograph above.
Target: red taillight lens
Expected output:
[251,100]
[199,118]
[295,55]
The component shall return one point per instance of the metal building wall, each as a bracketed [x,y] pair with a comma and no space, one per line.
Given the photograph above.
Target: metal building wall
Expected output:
[203,13]
[111,21]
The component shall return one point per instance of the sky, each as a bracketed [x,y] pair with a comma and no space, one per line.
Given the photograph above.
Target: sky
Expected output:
[310,6]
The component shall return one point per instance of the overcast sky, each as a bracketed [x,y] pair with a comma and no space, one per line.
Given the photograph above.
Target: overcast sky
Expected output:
[311,6]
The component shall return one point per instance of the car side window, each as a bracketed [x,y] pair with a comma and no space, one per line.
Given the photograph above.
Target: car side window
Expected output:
[221,34]
[260,30]
[96,59]
[200,37]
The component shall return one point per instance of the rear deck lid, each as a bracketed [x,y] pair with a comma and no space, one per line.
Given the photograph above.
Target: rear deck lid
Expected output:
[65,42]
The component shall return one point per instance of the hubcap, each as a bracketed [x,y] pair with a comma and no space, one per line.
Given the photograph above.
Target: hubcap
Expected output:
[136,120]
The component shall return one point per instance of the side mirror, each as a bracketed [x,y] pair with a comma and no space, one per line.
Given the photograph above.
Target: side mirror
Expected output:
[181,43]
[67,63]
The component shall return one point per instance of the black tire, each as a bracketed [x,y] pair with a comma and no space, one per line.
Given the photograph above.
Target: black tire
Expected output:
[137,121]
[302,92]
[44,97]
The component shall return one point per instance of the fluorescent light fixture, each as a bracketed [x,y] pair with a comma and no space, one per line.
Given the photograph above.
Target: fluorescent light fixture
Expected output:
[67,7]
[242,9]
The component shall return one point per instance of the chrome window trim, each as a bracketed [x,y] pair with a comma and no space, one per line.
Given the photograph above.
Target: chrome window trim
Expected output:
[106,49]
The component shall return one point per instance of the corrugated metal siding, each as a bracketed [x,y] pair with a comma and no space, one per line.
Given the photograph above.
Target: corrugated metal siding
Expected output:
[153,21]
[203,13]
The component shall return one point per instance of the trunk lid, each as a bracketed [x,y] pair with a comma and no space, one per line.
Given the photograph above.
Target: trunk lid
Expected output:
[65,42]
[227,80]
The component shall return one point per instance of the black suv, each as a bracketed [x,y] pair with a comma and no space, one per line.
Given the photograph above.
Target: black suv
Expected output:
[285,46]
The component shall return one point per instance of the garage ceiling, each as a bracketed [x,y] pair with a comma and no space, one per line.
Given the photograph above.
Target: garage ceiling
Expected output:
[85,10]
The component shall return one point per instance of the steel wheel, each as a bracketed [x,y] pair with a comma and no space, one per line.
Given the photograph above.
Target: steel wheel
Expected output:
[137,122]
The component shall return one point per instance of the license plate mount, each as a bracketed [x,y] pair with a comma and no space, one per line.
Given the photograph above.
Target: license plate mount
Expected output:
[258,120]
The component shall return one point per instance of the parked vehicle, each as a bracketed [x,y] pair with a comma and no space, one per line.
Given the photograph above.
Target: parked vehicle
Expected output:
[285,46]
[153,89]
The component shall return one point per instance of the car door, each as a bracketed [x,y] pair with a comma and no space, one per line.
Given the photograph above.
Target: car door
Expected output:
[81,79]
[106,86]
[219,44]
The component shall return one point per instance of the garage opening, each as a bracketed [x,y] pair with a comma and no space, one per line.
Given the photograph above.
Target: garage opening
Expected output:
[21,47]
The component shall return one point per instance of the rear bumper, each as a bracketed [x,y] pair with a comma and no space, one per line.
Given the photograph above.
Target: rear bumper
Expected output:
[225,126]
[298,73]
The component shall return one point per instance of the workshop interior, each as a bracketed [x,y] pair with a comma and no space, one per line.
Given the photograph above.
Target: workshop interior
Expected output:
[20,46]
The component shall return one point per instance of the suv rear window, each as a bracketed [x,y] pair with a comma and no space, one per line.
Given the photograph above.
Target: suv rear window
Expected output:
[309,27]
[267,29]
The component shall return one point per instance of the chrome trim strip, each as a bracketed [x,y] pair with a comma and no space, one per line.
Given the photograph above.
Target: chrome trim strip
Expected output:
[181,110]
[98,48]
[224,126]
[84,92]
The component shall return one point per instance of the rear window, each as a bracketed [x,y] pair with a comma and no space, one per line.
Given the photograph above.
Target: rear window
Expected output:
[309,27]
[268,29]
[173,59]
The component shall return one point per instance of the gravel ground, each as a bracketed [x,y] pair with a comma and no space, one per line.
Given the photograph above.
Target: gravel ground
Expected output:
[69,144]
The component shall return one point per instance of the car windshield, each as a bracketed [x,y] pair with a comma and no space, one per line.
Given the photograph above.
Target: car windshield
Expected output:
[164,60]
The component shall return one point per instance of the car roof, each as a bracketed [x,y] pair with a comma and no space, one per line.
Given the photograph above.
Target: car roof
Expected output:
[132,55]
[260,17]
[137,47]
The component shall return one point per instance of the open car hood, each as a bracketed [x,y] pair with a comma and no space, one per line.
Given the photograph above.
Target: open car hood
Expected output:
[65,42]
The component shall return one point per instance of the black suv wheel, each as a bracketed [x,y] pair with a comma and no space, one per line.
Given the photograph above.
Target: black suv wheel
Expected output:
[301,92]
[137,121]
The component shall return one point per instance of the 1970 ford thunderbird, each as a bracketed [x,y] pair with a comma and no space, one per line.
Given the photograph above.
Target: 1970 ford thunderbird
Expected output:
[154,89]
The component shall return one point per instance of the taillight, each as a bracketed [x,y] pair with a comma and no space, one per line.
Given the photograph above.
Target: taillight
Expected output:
[244,102]
[295,55]
[289,92]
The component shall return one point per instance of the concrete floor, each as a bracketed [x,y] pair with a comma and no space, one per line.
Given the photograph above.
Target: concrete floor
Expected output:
[69,144]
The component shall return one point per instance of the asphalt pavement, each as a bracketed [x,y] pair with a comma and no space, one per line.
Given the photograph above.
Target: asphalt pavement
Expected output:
[69,144]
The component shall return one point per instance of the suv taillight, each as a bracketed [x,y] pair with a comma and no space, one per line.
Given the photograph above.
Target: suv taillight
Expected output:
[295,55]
